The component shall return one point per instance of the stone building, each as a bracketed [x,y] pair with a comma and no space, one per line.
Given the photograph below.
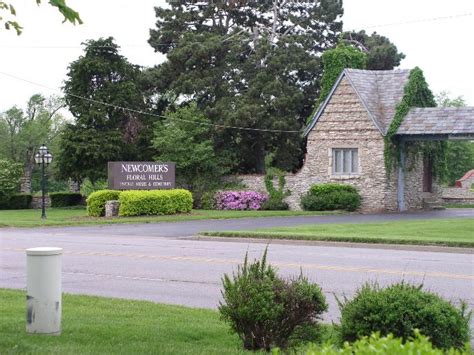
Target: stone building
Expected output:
[345,143]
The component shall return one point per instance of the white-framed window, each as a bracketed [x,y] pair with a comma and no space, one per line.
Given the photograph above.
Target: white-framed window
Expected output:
[345,161]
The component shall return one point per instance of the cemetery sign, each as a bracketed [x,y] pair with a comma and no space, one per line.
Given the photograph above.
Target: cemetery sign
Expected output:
[141,175]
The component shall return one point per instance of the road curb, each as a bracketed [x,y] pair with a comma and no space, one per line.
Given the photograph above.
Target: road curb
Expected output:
[405,247]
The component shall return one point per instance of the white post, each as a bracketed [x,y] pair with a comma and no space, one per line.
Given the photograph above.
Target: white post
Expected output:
[43,290]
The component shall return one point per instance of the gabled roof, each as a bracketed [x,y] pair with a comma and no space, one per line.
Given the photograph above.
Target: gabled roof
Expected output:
[378,90]
[438,120]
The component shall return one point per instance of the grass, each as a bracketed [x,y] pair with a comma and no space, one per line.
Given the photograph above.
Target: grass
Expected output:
[458,205]
[455,232]
[78,216]
[97,325]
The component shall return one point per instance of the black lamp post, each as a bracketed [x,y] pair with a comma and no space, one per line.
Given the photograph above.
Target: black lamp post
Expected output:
[43,157]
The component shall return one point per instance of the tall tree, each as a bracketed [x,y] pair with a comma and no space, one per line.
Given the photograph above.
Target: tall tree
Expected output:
[25,131]
[247,64]
[381,53]
[100,84]
[185,138]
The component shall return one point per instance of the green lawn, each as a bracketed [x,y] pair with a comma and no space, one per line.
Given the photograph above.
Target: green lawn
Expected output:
[78,216]
[449,232]
[457,205]
[97,325]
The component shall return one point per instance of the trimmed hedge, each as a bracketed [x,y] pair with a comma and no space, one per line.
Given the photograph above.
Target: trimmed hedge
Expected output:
[65,199]
[328,197]
[155,202]
[401,308]
[96,201]
[17,202]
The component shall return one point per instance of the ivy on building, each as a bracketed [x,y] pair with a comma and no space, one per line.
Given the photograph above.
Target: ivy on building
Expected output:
[416,94]
[334,62]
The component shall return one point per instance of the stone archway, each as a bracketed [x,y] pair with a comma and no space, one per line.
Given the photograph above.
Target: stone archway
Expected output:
[431,124]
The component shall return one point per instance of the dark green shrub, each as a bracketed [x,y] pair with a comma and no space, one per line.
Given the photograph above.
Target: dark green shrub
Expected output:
[65,199]
[401,308]
[327,197]
[264,309]
[17,202]
[155,202]
[274,205]
[96,201]
[207,200]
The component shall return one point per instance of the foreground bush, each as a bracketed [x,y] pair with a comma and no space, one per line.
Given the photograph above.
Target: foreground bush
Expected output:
[16,202]
[96,201]
[65,199]
[239,200]
[155,202]
[375,344]
[266,310]
[401,308]
[328,197]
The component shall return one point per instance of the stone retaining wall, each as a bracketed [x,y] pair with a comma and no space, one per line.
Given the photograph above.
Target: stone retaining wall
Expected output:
[36,202]
[457,195]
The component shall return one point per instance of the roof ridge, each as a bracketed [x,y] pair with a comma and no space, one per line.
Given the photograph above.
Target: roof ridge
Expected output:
[375,72]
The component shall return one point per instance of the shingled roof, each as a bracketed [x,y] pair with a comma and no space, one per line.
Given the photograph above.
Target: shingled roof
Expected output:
[454,121]
[379,91]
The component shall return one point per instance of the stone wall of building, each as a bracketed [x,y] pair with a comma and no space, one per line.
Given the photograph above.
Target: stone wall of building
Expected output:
[345,123]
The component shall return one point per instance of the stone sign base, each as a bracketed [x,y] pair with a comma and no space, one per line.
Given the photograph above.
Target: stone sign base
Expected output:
[112,208]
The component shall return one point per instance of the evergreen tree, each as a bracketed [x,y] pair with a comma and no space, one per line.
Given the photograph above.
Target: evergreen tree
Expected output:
[247,64]
[99,85]
[381,53]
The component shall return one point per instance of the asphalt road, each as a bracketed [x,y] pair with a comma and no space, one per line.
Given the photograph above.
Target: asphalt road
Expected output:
[164,263]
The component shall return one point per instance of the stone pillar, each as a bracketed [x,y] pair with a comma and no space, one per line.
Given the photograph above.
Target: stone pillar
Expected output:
[25,185]
[74,186]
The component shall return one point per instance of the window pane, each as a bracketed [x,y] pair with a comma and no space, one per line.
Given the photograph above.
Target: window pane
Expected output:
[347,161]
[355,161]
[337,163]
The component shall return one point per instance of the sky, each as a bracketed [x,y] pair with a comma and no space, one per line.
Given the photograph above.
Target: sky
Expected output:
[433,34]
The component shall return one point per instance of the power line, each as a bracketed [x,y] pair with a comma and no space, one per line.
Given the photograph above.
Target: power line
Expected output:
[126,109]
[429,19]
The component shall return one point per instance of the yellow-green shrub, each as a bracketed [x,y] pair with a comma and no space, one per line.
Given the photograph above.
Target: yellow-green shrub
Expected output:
[96,201]
[155,202]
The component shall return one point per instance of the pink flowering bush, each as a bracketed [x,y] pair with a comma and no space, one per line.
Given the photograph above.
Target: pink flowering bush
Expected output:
[239,200]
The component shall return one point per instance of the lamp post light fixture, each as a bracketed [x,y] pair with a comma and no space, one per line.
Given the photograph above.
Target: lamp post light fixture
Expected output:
[43,157]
